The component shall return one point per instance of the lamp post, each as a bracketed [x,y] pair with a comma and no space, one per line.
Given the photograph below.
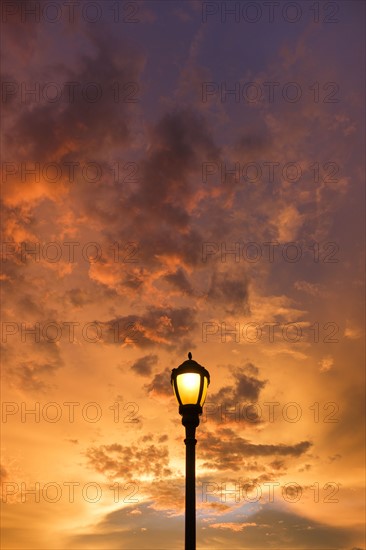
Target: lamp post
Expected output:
[190,382]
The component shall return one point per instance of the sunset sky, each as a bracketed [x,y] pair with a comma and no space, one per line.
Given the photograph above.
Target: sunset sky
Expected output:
[182,176]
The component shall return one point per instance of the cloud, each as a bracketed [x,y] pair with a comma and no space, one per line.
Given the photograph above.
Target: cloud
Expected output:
[230,292]
[277,464]
[232,526]
[314,289]
[73,130]
[144,365]
[78,297]
[353,332]
[155,529]
[31,366]
[283,527]
[29,376]
[326,364]
[179,280]
[157,326]
[129,462]
[289,222]
[178,142]
[160,385]
[81,123]
[20,33]
[167,494]
[246,388]
[225,450]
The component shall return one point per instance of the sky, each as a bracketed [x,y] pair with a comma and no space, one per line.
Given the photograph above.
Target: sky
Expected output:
[182,176]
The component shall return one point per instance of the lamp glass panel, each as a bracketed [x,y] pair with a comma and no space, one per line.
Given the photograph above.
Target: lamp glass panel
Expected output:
[204,391]
[188,385]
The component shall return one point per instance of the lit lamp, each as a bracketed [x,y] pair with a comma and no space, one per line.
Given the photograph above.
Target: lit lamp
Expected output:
[190,382]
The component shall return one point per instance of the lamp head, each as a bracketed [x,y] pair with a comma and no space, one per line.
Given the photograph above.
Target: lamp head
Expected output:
[190,382]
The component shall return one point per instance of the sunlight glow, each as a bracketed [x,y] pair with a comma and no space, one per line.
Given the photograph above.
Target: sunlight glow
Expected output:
[188,387]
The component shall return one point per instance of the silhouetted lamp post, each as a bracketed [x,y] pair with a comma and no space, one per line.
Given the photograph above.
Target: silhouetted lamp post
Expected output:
[190,382]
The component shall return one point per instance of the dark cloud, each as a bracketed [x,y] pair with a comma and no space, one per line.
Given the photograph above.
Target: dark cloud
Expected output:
[78,297]
[144,365]
[157,326]
[277,464]
[284,529]
[226,451]
[138,525]
[143,525]
[245,389]
[78,124]
[229,291]
[130,461]
[19,32]
[31,376]
[167,243]
[179,280]
[160,385]
[28,306]
[162,204]
[252,143]
[180,140]
[31,366]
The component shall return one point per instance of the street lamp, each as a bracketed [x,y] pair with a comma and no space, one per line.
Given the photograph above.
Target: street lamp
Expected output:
[190,382]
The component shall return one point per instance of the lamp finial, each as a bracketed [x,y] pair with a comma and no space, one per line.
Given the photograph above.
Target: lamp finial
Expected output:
[189,355]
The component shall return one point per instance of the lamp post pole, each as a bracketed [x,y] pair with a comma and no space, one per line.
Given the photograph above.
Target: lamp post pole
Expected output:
[190,421]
